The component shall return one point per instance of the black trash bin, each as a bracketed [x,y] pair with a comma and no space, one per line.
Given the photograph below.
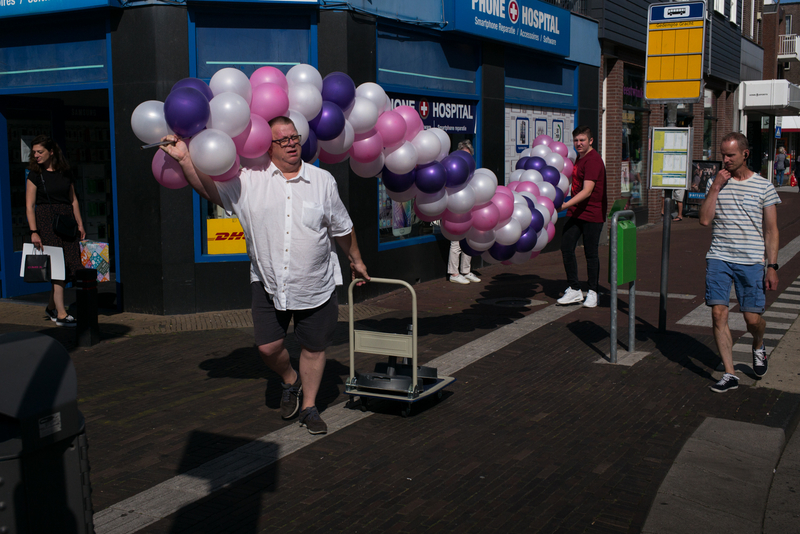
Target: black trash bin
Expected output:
[44,466]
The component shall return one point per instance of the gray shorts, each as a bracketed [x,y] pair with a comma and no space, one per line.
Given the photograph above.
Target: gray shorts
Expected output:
[678,194]
[313,328]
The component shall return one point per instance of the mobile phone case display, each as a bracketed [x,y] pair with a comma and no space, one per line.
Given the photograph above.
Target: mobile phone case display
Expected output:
[95,200]
[88,149]
[95,255]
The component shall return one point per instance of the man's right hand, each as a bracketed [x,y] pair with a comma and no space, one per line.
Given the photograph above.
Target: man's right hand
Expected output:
[721,179]
[177,149]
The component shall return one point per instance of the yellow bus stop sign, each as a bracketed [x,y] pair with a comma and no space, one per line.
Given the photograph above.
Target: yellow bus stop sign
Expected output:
[675,44]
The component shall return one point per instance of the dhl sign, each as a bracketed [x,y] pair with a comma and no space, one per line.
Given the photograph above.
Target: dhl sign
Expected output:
[225,236]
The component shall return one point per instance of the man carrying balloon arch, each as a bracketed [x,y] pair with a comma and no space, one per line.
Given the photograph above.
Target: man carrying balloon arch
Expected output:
[288,211]
[587,213]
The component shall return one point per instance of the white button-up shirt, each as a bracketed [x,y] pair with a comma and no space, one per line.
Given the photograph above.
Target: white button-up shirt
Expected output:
[288,225]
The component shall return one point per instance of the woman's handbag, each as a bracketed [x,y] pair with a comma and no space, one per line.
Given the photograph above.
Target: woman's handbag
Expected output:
[37,267]
[64,226]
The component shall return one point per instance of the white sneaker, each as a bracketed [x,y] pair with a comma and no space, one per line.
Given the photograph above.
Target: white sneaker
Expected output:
[458,279]
[591,299]
[472,278]
[571,296]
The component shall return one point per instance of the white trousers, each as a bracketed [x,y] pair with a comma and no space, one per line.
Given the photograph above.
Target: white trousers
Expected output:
[452,260]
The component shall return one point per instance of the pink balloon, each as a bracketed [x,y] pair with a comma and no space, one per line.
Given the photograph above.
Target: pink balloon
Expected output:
[232,172]
[324,157]
[167,171]
[567,170]
[413,121]
[551,232]
[535,253]
[505,190]
[392,128]
[424,217]
[367,147]
[485,218]
[456,217]
[269,101]
[457,228]
[559,148]
[255,140]
[545,140]
[269,75]
[513,185]
[547,203]
[528,187]
[504,203]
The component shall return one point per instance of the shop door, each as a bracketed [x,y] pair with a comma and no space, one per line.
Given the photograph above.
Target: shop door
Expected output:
[79,122]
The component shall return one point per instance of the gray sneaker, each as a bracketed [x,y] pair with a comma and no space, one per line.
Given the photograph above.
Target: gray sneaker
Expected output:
[310,419]
[290,399]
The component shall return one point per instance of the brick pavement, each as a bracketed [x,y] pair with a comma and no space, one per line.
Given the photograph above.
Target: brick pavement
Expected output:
[535,437]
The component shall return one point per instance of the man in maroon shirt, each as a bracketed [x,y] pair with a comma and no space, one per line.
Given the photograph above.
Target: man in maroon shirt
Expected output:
[587,212]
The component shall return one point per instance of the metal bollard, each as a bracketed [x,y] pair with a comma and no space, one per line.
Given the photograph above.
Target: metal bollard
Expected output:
[87,332]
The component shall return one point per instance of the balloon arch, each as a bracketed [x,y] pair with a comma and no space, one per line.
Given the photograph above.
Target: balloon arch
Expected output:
[225,124]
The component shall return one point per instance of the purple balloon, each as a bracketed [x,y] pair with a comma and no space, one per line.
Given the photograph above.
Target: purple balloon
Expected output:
[521,163]
[536,163]
[527,240]
[537,219]
[309,148]
[559,199]
[551,175]
[466,249]
[397,183]
[329,123]
[502,252]
[195,83]
[187,111]
[463,154]
[431,177]
[337,87]
[457,169]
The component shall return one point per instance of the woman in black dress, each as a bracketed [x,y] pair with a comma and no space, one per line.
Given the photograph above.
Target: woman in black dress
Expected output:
[51,191]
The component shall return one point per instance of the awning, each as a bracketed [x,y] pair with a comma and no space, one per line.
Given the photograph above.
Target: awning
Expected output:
[772,97]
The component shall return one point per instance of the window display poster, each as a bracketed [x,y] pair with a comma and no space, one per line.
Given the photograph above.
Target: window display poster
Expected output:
[625,179]
[540,127]
[702,172]
[558,130]
[523,124]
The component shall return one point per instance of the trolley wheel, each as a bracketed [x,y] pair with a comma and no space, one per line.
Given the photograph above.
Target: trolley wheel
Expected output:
[350,404]
[405,412]
[364,404]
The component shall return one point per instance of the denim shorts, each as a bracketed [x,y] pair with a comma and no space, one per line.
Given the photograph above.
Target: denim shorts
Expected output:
[747,279]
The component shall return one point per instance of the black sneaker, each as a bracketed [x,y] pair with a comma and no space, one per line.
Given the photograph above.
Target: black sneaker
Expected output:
[727,382]
[310,419]
[290,399]
[760,361]
[66,321]
[52,314]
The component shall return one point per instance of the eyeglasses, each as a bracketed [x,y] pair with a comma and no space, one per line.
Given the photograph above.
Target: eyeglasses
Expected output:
[286,141]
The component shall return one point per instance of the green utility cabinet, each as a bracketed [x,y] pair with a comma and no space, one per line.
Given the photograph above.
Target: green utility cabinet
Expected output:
[626,253]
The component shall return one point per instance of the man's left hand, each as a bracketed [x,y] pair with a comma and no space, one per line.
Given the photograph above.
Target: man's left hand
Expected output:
[358,270]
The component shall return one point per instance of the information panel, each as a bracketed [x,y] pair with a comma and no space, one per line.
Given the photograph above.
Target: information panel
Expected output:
[675,45]
[670,158]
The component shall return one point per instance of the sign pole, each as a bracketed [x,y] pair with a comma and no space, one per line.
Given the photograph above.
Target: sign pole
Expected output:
[672,119]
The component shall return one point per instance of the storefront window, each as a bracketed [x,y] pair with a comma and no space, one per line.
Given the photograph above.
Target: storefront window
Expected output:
[632,176]
[709,123]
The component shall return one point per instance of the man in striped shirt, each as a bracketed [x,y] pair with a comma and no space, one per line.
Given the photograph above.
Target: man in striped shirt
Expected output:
[742,206]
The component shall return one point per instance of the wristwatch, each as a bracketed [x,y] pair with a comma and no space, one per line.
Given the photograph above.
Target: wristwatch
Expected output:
[773,265]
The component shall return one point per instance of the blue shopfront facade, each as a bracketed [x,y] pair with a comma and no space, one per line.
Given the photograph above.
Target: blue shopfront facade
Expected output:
[463,65]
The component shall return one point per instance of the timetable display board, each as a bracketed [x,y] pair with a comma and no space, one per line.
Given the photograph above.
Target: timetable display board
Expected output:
[675,46]
[670,158]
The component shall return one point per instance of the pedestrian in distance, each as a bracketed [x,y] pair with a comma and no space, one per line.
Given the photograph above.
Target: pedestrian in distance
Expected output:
[780,166]
[288,212]
[50,192]
[586,212]
[741,205]
[458,263]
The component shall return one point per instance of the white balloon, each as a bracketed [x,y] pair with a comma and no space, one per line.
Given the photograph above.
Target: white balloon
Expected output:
[544,211]
[532,175]
[541,240]
[488,259]
[341,143]
[564,183]
[444,140]
[363,115]
[229,113]
[483,188]
[522,214]
[515,175]
[213,152]
[555,160]
[306,99]
[478,240]
[520,257]
[428,146]
[572,155]
[486,172]
[461,201]
[369,169]
[231,80]
[548,190]
[452,237]
[300,124]
[374,93]
[509,233]
[432,204]
[525,153]
[304,73]
[403,196]
[401,159]
[540,151]
[148,122]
